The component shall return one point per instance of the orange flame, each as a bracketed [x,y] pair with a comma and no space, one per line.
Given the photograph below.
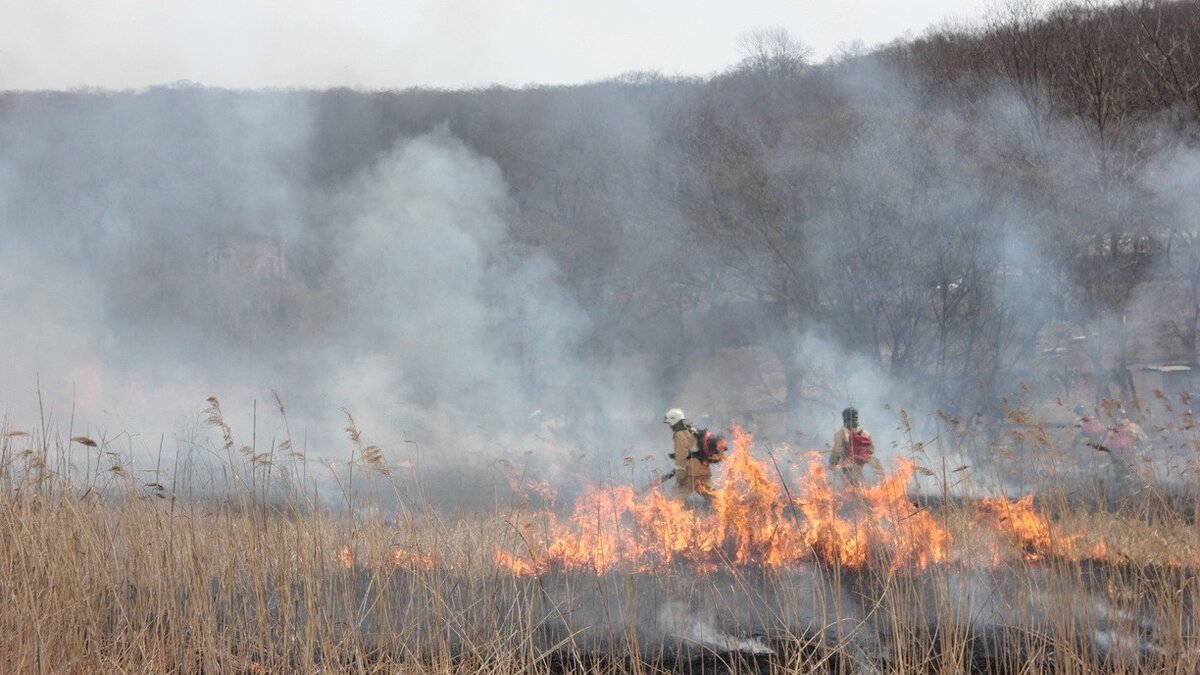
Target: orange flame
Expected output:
[754,519]
[517,565]
[757,517]
[398,559]
[1033,533]
[1030,529]
[408,560]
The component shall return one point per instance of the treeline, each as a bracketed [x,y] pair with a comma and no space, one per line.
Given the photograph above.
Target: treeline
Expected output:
[943,204]
[937,206]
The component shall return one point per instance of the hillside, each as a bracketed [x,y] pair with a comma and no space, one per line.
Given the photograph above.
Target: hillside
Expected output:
[938,213]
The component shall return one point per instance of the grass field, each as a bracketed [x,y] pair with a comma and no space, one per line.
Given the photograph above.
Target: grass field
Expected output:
[787,571]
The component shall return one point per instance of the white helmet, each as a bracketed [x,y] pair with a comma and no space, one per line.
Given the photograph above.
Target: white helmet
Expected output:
[674,416]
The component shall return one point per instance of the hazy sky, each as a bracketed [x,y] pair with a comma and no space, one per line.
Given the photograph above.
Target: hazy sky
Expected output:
[56,44]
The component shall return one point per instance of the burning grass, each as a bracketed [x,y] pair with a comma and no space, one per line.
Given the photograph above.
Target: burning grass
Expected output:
[755,519]
[787,570]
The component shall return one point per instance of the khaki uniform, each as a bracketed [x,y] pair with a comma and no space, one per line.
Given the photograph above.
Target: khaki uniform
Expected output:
[839,456]
[1182,438]
[689,472]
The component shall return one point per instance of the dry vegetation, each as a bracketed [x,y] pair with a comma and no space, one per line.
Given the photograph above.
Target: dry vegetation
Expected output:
[107,565]
[116,574]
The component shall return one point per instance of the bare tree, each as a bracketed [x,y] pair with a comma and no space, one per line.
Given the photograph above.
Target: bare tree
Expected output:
[1164,39]
[1021,45]
[748,195]
[773,52]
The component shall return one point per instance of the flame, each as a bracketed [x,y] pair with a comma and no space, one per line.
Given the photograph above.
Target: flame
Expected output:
[599,538]
[754,519]
[1018,518]
[517,565]
[1032,531]
[408,560]
[398,559]
[759,518]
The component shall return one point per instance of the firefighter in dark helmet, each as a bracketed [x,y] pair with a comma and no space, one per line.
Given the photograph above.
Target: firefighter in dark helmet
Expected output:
[852,448]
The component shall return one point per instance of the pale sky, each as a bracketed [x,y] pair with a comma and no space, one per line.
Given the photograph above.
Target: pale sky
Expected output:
[118,44]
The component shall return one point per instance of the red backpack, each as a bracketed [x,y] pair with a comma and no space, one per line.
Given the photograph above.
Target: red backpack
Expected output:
[1091,426]
[710,448]
[861,446]
[1121,437]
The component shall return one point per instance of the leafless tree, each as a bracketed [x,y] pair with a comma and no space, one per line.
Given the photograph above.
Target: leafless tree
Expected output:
[773,52]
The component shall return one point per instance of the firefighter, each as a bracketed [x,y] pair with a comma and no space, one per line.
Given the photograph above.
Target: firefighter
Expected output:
[852,448]
[1187,423]
[1091,429]
[1124,443]
[691,474]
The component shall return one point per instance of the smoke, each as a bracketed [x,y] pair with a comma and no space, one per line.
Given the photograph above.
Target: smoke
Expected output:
[946,243]
[678,622]
[447,326]
[154,273]
[466,307]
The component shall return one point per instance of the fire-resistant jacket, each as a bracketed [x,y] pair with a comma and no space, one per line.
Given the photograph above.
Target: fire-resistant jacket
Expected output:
[841,445]
[685,444]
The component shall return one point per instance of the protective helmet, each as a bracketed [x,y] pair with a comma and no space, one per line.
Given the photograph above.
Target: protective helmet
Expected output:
[850,417]
[674,416]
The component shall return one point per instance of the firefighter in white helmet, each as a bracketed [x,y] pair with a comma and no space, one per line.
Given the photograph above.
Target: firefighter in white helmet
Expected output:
[1091,430]
[691,474]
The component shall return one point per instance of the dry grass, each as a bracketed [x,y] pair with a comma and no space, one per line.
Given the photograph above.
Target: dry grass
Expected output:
[102,572]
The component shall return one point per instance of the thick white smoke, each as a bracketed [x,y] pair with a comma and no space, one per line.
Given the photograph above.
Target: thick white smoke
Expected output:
[447,326]
[426,322]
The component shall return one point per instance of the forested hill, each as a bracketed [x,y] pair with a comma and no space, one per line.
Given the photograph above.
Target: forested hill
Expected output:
[938,208]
